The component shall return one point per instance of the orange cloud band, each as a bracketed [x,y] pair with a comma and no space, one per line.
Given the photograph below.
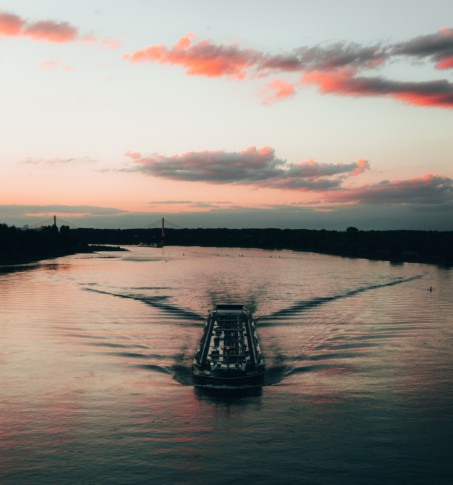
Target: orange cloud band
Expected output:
[44,30]
[333,68]
[344,82]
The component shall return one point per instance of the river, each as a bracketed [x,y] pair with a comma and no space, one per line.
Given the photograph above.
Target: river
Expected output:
[95,381]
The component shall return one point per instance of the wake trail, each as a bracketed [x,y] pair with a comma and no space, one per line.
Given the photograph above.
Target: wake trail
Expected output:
[160,302]
[305,305]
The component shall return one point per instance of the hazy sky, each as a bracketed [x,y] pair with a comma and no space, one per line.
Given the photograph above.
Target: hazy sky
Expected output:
[246,113]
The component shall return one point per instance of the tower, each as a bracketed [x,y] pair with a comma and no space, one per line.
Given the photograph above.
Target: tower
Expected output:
[162,239]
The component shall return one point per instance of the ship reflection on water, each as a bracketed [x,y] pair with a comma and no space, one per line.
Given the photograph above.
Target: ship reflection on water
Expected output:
[226,395]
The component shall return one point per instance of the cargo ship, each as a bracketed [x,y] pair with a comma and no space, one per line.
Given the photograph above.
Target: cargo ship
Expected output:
[229,353]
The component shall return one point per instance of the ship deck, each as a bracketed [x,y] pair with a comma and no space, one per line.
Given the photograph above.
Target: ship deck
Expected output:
[229,349]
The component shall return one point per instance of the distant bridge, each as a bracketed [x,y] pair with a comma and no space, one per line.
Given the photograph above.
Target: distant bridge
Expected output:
[164,222]
[53,221]
[58,222]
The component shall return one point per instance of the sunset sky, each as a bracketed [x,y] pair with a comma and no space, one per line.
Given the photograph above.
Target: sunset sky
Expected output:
[246,113]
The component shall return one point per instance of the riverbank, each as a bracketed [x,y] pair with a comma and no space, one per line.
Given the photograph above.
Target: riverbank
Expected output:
[432,247]
[25,246]
[20,258]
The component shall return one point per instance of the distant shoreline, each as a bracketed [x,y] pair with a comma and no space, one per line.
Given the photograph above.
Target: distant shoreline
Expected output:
[19,259]
[371,257]
[427,247]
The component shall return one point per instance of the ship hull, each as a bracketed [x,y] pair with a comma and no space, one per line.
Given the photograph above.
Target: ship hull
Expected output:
[233,380]
[229,354]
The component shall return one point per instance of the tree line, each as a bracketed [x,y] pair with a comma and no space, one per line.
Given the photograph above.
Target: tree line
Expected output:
[412,246]
[17,245]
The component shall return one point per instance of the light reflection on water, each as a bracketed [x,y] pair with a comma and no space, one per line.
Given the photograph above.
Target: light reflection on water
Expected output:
[95,370]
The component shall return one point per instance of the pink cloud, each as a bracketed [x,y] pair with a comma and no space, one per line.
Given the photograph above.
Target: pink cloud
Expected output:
[133,155]
[441,100]
[362,165]
[331,81]
[105,42]
[332,68]
[10,24]
[111,43]
[52,64]
[279,90]
[446,63]
[428,189]
[344,82]
[44,30]
[253,166]
[201,59]
[206,58]
[438,47]
[51,31]
[316,169]
[88,39]
[49,65]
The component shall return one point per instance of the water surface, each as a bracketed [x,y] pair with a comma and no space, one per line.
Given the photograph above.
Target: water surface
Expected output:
[95,383]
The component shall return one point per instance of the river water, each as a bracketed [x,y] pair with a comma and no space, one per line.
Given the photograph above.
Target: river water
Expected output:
[95,382]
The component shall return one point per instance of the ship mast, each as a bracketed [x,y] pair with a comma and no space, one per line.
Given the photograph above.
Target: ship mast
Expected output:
[163,233]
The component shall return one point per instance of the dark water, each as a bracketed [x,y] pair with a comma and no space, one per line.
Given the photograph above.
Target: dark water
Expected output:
[95,383]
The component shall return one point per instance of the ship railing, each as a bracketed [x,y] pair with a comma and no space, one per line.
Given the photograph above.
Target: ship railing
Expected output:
[229,329]
[227,325]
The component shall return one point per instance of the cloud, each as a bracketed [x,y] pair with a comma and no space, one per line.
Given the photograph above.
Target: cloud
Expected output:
[181,202]
[438,47]
[206,58]
[313,169]
[111,43]
[334,68]
[51,31]
[58,161]
[365,216]
[201,59]
[278,90]
[12,25]
[191,204]
[340,55]
[170,202]
[9,211]
[214,166]
[427,190]
[105,42]
[50,65]
[318,176]
[263,169]
[252,166]
[133,155]
[344,82]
